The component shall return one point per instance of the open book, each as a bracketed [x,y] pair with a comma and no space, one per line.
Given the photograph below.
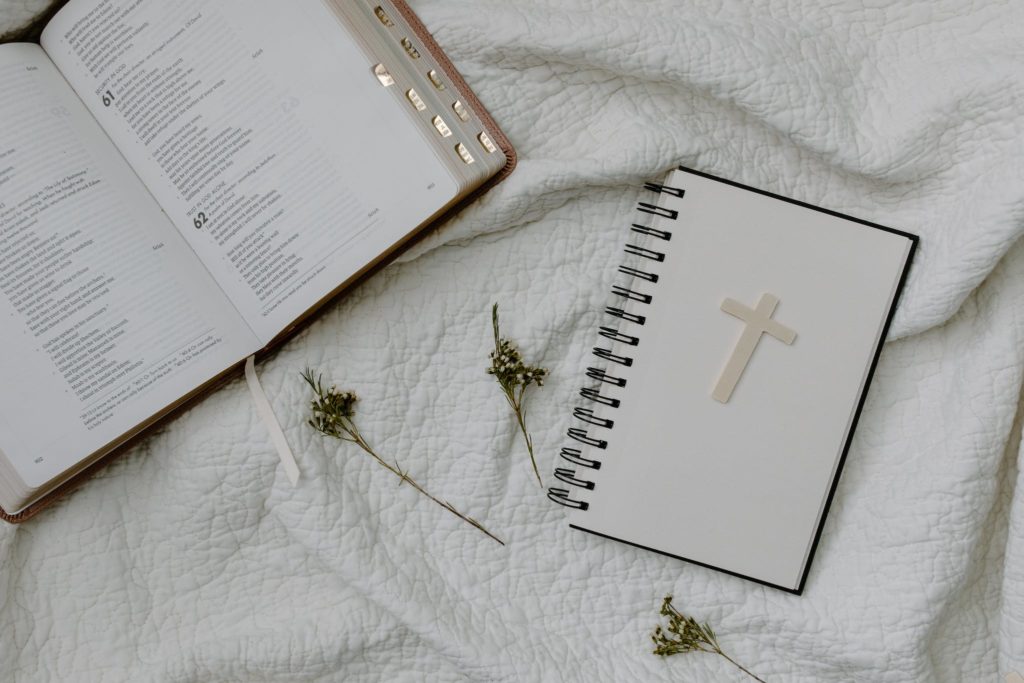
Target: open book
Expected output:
[182,183]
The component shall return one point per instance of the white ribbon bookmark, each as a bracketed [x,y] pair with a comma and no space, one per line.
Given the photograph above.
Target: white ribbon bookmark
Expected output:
[266,413]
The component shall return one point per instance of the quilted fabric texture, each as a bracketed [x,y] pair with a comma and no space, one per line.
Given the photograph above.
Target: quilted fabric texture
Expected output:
[193,559]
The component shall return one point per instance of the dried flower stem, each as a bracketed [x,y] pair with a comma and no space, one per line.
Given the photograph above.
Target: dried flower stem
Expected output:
[689,636]
[333,416]
[514,377]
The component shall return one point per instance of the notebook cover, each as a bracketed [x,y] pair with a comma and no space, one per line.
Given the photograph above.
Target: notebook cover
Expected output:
[592,424]
[497,136]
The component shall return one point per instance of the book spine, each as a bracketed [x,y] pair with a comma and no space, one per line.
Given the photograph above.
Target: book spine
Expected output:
[620,336]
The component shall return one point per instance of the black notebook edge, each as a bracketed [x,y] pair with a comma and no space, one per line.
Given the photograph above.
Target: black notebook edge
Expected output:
[914,240]
[910,236]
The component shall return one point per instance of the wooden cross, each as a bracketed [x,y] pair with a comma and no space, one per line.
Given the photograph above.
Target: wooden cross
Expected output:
[759,322]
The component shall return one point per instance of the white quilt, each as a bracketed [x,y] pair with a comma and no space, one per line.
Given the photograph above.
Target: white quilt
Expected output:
[193,558]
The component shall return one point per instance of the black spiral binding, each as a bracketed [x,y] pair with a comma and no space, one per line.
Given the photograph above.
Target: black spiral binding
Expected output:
[623,338]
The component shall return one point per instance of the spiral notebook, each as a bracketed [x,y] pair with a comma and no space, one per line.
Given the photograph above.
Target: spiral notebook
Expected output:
[732,367]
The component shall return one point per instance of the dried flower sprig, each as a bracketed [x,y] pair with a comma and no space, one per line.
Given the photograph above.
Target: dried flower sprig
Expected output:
[688,636]
[334,416]
[515,376]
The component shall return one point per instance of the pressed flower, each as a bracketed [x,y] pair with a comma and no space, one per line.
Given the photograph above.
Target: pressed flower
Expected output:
[514,376]
[334,416]
[685,635]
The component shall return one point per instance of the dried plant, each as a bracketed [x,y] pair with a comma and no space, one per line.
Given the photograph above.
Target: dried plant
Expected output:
[334,416]
[515,377]
[685,635]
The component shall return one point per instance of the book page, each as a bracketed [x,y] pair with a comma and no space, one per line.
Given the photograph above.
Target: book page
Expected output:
[106,316]
[260,128]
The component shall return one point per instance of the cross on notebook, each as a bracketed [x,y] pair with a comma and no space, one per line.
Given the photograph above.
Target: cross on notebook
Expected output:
[759,322]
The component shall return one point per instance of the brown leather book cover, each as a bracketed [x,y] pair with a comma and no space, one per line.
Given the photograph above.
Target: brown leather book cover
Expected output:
[161,420]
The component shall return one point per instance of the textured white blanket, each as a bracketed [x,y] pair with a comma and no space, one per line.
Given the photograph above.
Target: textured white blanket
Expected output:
[193,559]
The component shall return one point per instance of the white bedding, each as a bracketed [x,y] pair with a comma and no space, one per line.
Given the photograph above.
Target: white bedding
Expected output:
[193,559]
